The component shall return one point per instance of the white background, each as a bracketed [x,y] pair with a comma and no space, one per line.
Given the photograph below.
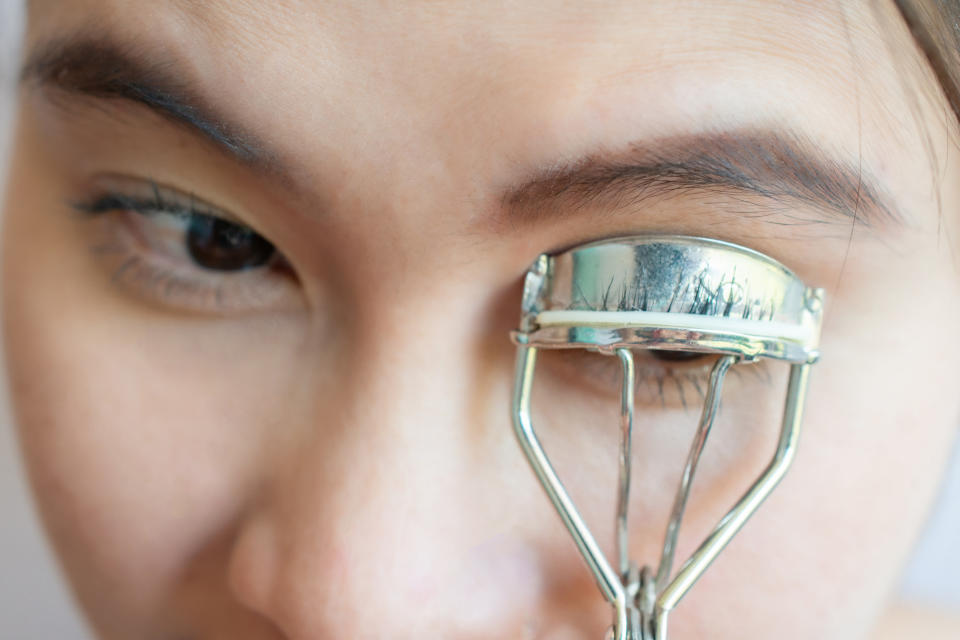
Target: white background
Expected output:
[35,606]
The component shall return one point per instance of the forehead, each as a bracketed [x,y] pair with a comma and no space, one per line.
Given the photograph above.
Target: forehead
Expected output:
[487,87]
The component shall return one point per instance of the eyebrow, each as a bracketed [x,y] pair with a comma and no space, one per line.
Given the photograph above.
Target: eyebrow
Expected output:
[98,68]
[781,169]
[775,169]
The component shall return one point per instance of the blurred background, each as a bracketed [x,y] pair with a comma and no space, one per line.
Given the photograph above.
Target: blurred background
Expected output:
[34,605]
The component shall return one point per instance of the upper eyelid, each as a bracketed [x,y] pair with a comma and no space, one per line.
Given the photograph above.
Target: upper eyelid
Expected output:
[145,194]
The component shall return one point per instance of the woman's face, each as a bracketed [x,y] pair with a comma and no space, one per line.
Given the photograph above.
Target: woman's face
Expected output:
[310,438]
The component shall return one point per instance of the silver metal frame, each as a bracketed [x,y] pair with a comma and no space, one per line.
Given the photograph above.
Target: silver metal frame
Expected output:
[787,329]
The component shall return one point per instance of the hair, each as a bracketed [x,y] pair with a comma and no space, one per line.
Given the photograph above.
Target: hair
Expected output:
[935,25]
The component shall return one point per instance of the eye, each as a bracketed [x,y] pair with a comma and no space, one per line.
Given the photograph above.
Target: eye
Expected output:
[676,356]
[174,250]
[220,245]
[664,378]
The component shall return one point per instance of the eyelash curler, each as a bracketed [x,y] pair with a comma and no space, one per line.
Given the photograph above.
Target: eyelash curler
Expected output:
[671,293]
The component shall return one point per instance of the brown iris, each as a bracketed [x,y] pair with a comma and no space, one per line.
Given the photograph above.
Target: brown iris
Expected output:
[220,245]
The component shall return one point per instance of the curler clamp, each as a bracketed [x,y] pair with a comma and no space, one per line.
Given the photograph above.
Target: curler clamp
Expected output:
[667,293]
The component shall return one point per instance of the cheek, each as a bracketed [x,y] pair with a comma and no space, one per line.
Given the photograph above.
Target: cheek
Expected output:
[140,431]
[884,410]
[138,449]
[881,416]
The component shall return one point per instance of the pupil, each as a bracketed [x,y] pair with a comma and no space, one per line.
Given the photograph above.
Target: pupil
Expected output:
[223,246]
[675,356]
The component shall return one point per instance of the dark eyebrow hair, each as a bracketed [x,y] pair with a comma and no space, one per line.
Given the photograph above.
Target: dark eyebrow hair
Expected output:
[782,169]
[99,68]
[778,169]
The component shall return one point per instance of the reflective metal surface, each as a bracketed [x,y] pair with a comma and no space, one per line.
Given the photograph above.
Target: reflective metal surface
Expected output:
[668,293]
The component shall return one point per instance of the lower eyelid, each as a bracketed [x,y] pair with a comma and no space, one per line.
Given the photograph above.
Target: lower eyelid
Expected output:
[134,267]
[658,384]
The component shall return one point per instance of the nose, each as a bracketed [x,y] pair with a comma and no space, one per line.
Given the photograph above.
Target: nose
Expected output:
[392,515]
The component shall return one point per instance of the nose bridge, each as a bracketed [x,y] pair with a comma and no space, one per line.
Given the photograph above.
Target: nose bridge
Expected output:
[373,527]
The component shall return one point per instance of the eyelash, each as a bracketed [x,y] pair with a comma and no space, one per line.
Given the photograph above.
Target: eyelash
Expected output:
[667,383]
[142,240]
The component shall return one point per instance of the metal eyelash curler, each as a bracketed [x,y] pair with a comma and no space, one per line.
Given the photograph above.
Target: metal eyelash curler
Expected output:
[669,293]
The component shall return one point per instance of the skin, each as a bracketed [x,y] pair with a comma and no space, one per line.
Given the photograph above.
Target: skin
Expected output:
[341,464]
